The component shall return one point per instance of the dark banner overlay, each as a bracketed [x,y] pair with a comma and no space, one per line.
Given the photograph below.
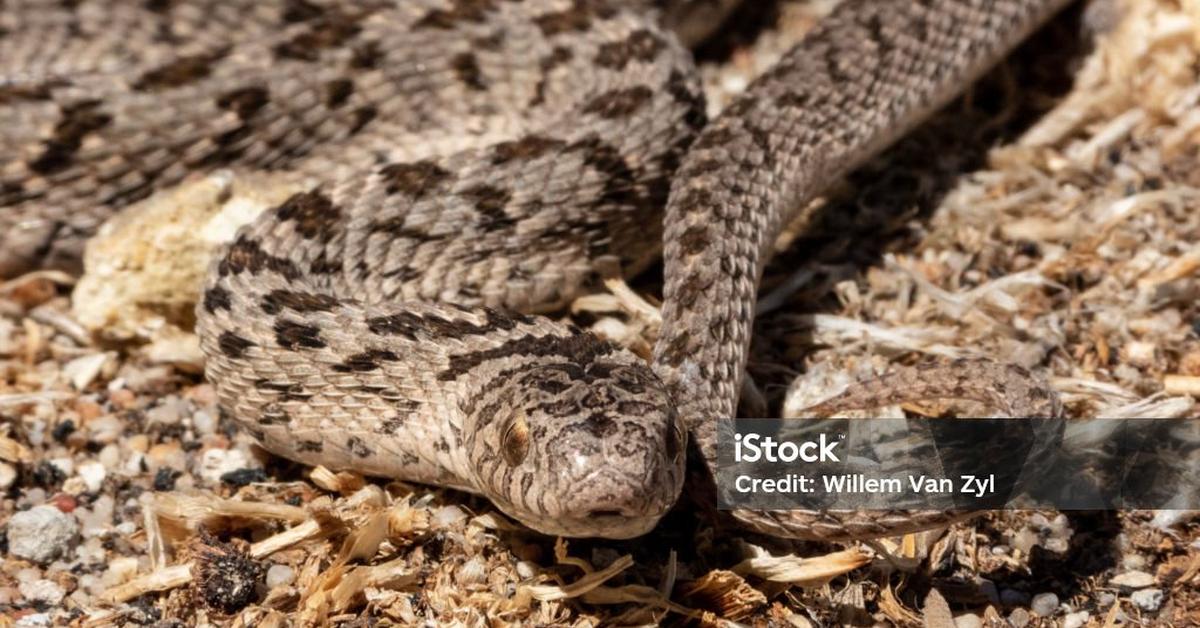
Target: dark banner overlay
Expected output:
[967,464]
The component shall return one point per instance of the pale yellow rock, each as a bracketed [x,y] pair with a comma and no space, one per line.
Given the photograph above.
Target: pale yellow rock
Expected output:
[144,269]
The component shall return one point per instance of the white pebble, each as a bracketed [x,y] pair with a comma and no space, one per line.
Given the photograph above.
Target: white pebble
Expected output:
[44,591]
[110,457]
[217,462]
[1132,580]
[134,463]
[1044,604]
[105,429]
[91,584]
[526,569]
[41,533]
[29,574]
[280,576]
[1076,620]
[66,465]
[169,412]
[204,422]
[97,519]
[1147,599]
[93,474]
[35,620]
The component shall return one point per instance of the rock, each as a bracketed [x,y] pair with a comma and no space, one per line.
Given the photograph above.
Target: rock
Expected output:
[1076,620]
[1132,580]
[169,412]
[65,465]
[93,474]
[204,422]
[106,429]
[144,268]
[1012,597]
[1044,604]
[1147,599]
[34,620]
[1019,618]
[44,591]
[217,462]
[110,457]
[41,533]
[280,576]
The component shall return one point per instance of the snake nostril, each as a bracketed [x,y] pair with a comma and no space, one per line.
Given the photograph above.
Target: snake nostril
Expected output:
[604,513]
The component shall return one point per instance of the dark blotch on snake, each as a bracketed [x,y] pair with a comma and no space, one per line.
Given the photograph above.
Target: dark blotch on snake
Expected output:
[233,345]
[292,335]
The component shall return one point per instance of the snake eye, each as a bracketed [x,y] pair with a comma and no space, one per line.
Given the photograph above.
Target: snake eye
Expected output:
[514,443]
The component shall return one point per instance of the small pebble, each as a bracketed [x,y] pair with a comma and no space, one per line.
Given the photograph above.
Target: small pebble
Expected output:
[1012,597]
[106,429]
[204,422]
[169,412]
[988,589]
[93,474]
[34,620]
[1076,620]
[1057,545]
[280,576]
[1106,599]
[1147,599]
[43,591]
[65,465]
[167,455]
[1019,618]
[91,584]
[1044,604]
[110,457]
[1025,540]
[1132,580]
[29,574]
[526,569]
[41,533]
[217,462]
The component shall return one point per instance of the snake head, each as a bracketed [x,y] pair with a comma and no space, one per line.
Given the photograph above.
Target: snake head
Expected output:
[581,450]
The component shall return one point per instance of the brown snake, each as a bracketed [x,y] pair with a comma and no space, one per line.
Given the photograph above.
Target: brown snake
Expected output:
[479,158]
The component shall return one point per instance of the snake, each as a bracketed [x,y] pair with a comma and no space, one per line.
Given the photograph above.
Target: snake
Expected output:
[479,162]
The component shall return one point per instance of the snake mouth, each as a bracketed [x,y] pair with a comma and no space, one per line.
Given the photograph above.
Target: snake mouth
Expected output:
[601,524]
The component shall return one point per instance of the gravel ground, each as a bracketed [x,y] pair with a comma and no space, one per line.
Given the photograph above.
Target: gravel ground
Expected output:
[1048,218]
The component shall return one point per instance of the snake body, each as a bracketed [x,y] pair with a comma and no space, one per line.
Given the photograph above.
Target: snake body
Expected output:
[480,159]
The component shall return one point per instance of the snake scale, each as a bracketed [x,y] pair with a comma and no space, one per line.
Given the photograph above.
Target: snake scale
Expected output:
[479,160]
